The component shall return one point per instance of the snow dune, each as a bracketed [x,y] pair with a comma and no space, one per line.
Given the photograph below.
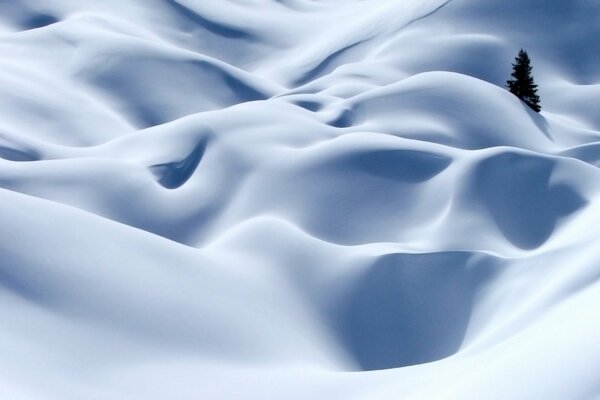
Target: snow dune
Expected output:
[293,199]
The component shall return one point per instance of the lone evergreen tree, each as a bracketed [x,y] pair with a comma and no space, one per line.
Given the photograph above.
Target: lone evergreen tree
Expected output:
[522,85]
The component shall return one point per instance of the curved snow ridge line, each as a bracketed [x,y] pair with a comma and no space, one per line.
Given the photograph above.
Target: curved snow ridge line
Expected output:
[43,289]
[430,107]
[514,219]
[285,227]
[401,166]
[61,285]
[589,153]
[367,354]
[354,44]
[184,14]
[202,84]
[534,237]
[343,171]
[125,62]
[354,291]
[368,358]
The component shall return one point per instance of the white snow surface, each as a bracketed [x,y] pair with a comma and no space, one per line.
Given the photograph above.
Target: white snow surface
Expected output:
[298,199]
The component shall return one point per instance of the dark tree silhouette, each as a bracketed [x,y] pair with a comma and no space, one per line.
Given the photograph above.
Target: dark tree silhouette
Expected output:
[522,85]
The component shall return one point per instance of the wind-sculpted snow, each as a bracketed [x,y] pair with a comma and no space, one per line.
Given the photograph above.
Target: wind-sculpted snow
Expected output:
[294,199]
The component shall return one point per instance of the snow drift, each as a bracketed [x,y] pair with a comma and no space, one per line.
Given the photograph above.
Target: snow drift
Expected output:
[298,199]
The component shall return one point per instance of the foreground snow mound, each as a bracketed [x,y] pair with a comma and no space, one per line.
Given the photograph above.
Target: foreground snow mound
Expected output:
[297,199]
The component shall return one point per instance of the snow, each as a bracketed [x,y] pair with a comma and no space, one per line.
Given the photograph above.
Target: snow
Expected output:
[293,199]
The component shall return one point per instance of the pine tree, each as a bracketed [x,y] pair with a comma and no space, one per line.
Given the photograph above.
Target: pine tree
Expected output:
[523,85]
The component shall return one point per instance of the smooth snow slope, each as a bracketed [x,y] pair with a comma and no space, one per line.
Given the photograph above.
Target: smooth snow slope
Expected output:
[294,199]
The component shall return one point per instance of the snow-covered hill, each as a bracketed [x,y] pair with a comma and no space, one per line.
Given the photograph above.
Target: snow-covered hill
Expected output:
[296,199]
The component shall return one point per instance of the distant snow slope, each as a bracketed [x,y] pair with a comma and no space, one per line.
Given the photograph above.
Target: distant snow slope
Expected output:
[298,199]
